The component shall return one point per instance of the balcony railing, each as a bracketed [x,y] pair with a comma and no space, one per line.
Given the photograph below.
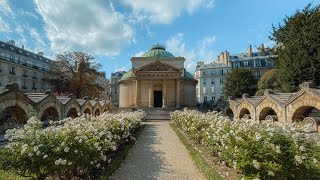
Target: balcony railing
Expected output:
[24,75]
[3,58]
[12,73]
[33,77]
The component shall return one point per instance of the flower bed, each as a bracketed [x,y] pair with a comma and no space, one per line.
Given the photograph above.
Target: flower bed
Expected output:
[261,151]
[69,148]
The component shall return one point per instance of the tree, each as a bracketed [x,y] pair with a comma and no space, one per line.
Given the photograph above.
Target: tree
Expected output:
[239,81]
[298,48]
[76,73]
[268,80]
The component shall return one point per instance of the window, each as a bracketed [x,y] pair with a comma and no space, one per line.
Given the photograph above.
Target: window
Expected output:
[269,63]
[221,71]
[213,72]
[12,70]
[204,81]
[34,75]
[205,98]
[257,74]
[257,63]
[221,80]
[213,81]
[213,98]
[212,89]
[204,73]
[34,85]
[43,86]
[204,90]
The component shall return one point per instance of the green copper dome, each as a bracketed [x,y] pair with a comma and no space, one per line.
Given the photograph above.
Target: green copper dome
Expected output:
[127,75]
[188,75]
[157,51]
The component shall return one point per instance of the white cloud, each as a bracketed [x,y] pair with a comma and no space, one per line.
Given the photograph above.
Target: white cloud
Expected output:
[36,36]
[91,26]
[138,54]
[203,50]
[164,11]
[5,8]
[4,26]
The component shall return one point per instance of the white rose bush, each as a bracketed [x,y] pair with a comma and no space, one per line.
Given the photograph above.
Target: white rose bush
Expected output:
[257,150]
[70,148]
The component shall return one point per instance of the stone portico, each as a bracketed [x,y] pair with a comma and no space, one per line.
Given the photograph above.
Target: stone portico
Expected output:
[157,79]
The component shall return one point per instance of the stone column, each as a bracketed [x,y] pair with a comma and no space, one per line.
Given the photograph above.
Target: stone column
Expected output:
[138,95]
[178,94]
[151,94]
[164,94]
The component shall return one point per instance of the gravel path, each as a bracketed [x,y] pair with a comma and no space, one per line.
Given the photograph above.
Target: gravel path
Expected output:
[158,154]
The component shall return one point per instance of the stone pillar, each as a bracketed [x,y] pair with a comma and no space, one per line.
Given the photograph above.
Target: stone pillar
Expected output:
[138,95]
[178,94]
[164,94]
[151,94]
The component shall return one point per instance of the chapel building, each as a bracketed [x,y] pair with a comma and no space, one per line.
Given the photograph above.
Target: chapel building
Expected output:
[157,79]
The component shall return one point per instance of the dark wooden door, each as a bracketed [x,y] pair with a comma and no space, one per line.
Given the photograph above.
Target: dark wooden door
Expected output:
[157,98]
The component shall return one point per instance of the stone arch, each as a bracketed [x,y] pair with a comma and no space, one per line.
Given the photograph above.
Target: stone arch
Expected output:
[72,106]
[304,112]
[72,112]
[268,113]
[299,107]
[245,113]
[28,108]
[86,108]
[87,111]
[49,114]
[245,105]
[97,112]
[12,117]
[229,113]
[50,105]
[268,107]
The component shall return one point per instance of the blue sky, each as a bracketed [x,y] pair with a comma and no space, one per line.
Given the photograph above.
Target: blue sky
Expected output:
[115,30]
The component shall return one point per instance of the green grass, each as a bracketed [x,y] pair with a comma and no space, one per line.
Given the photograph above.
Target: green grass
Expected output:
[208,171]
[4,175]
[121,156]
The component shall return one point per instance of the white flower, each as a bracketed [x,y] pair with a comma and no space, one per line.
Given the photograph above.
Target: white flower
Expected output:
[103,157]
[256,164]
[91,162]
[45,156]
[30,154]
[314,160]
[98,165]
[38,153]
[302,148]
[35,149]
[270,173]
[66,149]
[114,148]
[64,162]
[298,159]
[69,163]
[57,162]
[278,149]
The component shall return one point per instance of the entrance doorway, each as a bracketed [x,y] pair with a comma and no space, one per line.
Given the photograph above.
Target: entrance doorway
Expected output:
[157,98]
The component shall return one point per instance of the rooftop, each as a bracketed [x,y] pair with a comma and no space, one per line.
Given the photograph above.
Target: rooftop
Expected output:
[157,51]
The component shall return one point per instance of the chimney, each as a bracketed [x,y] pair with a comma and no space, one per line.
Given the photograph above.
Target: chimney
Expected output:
[249,51]
[22,46]
[40,53]
[12,43]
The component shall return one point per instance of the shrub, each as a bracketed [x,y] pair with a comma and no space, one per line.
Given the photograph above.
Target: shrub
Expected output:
[70,148]
[264,151]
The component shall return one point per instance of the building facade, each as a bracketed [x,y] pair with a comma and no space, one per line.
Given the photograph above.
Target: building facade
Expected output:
[114,86]
[260,61]
[104,83]
[210,77]
[157,79]
[27,69]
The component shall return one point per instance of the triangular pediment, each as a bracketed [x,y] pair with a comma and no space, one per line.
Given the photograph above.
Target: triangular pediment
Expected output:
[157,66]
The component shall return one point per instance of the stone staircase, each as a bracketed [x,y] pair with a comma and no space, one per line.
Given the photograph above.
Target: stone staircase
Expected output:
[157,113]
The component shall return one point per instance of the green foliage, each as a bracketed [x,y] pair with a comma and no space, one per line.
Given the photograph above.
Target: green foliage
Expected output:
[298,48]
[239,81]
[269,80]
